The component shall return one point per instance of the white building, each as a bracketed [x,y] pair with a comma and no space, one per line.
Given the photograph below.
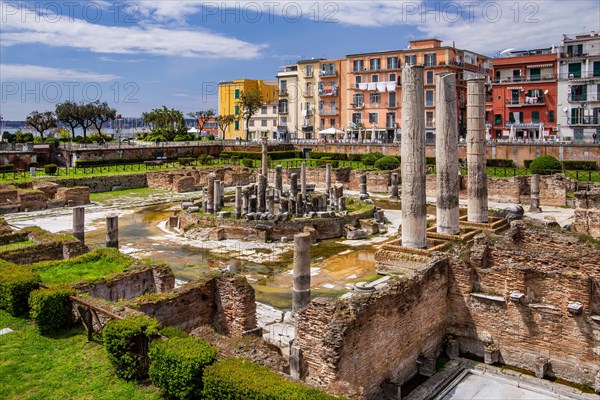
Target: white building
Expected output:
[579,87]
[264,122]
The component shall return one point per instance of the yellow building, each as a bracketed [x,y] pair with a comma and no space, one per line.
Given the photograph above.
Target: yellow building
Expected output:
[229,94]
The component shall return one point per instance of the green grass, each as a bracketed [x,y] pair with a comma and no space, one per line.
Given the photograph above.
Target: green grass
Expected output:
[15,246]
[86,268]
[141,193]
[356,206]
[63,366]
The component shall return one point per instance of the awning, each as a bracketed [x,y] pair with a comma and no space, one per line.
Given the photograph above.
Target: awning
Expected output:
[539,66]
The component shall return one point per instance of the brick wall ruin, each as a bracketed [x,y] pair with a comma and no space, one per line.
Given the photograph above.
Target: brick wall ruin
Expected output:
[587,212]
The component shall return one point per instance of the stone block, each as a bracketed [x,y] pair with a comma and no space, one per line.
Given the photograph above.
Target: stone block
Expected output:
[79,195]
[491,354]
[323,214]
[575,308]
[517,297]
[193,209]
[357,234]
[186,204]
[369,225]
[223,214]
[216,234]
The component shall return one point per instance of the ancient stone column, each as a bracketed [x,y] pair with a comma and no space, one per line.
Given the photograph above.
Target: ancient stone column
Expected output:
[535,194]
[414,213]
[301,285]
[446,155]
[477,177]
[238,201]
[222,194]
[279,180]
[265,158]
[303,179]
[217,196]
[338,192]
[363,184]
[327,179]
[210,193]
[394,188]
[292,205]
[246,200]
[294,185]
[79,224]
[341,204]
[261,203]
[112,231]
[270,201]
[283,205]
[299,204]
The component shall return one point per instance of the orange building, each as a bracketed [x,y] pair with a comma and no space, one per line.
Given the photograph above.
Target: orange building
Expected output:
[374,87]
[523,97]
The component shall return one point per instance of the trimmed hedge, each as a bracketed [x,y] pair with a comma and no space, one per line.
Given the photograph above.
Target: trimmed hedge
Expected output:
[126,342]
[7,167]
[111,161]
[236,378]
[353,157]
[545,165]
[580,165]
[186,160]
[330,156]
[16,283]
[322,163]
[257,155]
[527,163]
[248,163]
[176,366]
[50,309]
[499,162]
[50,169]
[371,158]
[173,332]
[387,163]
[284,155]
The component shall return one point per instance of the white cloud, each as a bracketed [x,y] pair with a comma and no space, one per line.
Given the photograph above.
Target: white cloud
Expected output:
[63,31]
[41,73]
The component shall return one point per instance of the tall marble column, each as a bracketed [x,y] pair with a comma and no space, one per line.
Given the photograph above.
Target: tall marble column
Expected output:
[477,176]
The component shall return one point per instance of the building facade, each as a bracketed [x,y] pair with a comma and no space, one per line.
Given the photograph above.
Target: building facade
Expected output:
[579,87]
[524,96]
[264,123]
[229,101]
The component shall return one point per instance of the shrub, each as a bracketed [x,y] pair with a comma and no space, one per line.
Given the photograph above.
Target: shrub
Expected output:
[284,155]
[527,163]
[172,332]
[323,162]
[15,286]
[545,165]
[499,162]
[236,378]
[7,167]
[53,140]
[331,156]
[370,158]
[185,160]
[248,163]
[50,169]
[387,163]
[579,165]
[176,365]
[50,309]
[211,136]
[33,165]
[127,342]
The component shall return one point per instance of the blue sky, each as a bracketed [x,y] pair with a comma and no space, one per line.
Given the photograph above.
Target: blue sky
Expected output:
[138,55]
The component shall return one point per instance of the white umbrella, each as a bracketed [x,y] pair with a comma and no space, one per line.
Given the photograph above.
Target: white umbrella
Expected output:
[193,130]
[330,131]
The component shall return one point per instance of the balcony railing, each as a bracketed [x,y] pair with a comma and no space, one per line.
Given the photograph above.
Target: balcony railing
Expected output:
[531,78]
[308,74]
[358,105]
[587,120]
[328,92]
[328,72]
[309,93]
[584,97]
[393,104]
[328,111]
[282,127]
[579,75]
[283,92]
[527,101]
[282,110]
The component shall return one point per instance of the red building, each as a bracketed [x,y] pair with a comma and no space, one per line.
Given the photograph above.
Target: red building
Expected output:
[524,94]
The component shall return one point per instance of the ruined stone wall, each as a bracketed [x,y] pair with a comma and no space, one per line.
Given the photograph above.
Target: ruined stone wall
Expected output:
[553,190]
[73,195]
[551,270]
[235,306]
[181,150]
[587,212]
[106,183]
[130,284]
[351,347]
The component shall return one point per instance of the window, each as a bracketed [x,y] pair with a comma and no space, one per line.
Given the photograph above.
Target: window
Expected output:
[328,69]
[516,75]
[577,115]
[251,122]
[263,122]
[283,106]
[357,80]
[497,119]
[535,74]
[575,50]
[373,118]
[236,125]
[597,68]
[237,93]
[390,120]
[430,60]
[535,117]
[429,77]
[575,70]
[308,71]
[332,122]
[429,119]
[392,99]
[551,116]
[283,86]
[321,105]
[375,64]
[375,97]
[410,59]
[237,110]
[514,99]
[375,78]
[263,110]
[358,99]
[393,77]
[515,117]
[357,118]
[274,109]
[429,98]
[579,93]
[392,62]
[358,65]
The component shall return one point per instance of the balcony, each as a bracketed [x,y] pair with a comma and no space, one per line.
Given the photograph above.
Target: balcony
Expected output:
[328,72]
[391,104]
[283,92]
[590,97]
[358,106]
[391,125]
[307,113]
[328,92]
[282,128]
[579,75]
[328,111]
[309,93]
[283,110]
[584,121]
[308,74]
[527,101]
[531,78]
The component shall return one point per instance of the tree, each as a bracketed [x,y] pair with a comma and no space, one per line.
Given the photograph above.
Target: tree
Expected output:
[202,117]
[103,113]
[165,124]
[85,115]
[224,121]
[250,102]
[41,121]
[65,113]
